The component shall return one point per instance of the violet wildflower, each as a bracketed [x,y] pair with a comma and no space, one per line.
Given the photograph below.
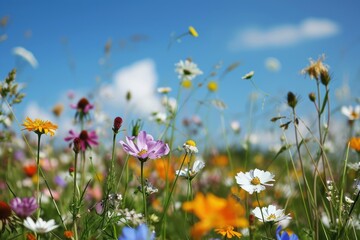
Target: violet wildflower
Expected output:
[145,147]
[23,207]
[87,139]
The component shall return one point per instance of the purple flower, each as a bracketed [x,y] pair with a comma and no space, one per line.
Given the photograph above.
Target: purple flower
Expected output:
[23,207]
[82,109]
[140,233]
[145,147]
[60,181]
[83,106]
[87,139]
[284,235]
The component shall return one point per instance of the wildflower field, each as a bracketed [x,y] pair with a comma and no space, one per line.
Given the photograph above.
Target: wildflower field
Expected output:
[164,177]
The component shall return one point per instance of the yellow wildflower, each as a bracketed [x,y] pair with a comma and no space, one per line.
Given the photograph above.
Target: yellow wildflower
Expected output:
[39,126]
[212,86]
[193,31]
[228,232]
[186,83]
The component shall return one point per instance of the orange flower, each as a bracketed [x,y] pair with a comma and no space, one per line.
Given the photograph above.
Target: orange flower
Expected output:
[30,170]
[58,109]
[220,160]
[355,143]
[228,232]
[68,234]
[30,236]
[164,170]
[39,126]
[215,212]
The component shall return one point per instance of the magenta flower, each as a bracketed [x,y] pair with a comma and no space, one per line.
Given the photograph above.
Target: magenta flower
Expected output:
[82,106]
[23,207]
[87,139]
[82,109]
[145,147]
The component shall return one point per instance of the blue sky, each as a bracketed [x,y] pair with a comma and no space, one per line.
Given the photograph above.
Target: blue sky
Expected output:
[68,39]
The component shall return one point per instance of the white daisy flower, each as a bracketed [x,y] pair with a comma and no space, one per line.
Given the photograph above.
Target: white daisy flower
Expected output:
[191,173]
[249,75]
[354,166]
[235,126]
[40,226]
[187,69]
[352,113]
[270,214]
[190,146]
[254,180]
[164,90]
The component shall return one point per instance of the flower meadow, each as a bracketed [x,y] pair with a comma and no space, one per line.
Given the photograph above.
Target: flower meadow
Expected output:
[137,183]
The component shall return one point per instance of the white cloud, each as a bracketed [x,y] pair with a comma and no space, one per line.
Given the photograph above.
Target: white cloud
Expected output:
[140,79]
[33,110]
[26,55]
[284,35]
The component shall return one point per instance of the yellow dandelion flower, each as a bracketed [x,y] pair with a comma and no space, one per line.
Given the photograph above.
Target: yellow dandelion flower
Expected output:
[228,232]
[39,126]
[186,83]
[212,86]
[193,31]
[355,143]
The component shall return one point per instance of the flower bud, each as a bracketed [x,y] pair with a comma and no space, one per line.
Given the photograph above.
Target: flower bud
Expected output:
[325,77]
[292,100]
[136,127]
[312,97]
[77,145]
[117,124]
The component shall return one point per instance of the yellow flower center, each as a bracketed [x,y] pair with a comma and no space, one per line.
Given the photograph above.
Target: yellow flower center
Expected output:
[142,152]
[355,115]
[271,217]
[255,181]
[190,143]
[212,86]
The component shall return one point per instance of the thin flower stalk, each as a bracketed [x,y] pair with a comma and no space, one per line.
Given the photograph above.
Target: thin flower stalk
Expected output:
[143,190]
[75,187]
[262,214]
[307,191]
[167,202]
[38,174]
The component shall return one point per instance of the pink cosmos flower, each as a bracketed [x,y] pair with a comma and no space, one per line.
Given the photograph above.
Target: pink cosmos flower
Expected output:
[145,147]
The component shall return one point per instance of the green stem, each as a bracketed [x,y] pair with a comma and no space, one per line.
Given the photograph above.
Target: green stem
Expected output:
[262,215]
[171,191]
[74,197]
[38,176]
[143,191]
